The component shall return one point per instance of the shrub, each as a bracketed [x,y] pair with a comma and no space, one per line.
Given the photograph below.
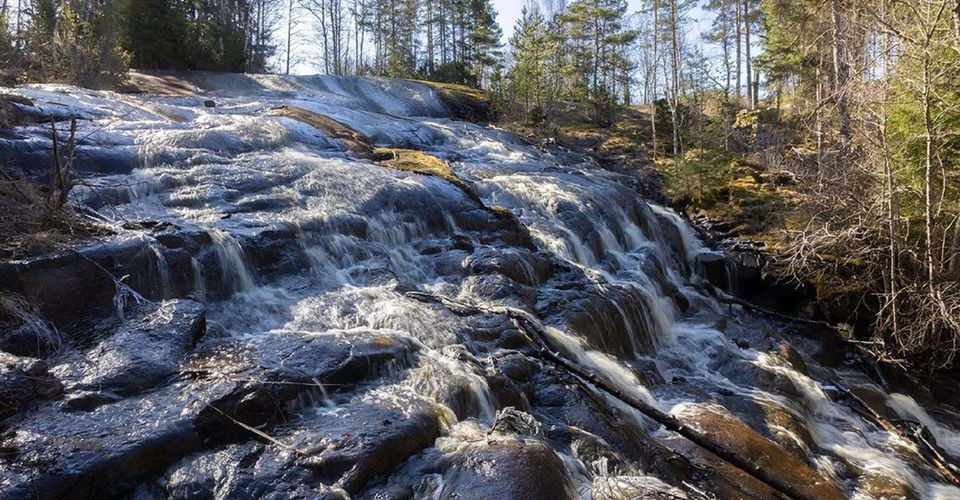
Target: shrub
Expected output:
[75,49]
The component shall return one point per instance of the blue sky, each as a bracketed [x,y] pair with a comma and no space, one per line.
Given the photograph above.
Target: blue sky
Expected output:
[508,11]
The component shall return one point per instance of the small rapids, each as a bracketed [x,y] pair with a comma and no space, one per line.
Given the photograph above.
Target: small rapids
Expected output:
[302,239]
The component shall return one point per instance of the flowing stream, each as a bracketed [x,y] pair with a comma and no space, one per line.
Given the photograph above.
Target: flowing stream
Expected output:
[612,279]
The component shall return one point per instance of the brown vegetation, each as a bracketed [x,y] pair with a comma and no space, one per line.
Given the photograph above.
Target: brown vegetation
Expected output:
[36,218]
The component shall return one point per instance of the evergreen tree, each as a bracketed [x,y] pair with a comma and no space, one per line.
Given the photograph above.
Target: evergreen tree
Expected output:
[531,48]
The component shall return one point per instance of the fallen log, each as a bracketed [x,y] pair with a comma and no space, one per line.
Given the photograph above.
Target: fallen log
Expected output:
[529,325]
[907,429]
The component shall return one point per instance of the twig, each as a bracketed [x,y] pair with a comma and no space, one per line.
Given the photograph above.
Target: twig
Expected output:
[260,433]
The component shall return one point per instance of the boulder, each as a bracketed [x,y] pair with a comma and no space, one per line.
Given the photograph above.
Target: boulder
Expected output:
[722,427]
[141,353]
[518,264]
[343,447]
[351,444]
[508,468]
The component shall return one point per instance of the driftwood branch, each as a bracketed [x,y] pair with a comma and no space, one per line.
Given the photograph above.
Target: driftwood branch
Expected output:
[910,431]
[538,337]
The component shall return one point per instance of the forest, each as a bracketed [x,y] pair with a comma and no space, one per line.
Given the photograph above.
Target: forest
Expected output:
[827,130]
[396,249]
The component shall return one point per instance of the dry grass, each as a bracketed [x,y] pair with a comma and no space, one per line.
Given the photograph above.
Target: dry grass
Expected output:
[13,308]
[30,224]
[16,311]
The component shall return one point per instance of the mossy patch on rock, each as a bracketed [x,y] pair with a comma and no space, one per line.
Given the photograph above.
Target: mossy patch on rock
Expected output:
[731,190]
[411,160]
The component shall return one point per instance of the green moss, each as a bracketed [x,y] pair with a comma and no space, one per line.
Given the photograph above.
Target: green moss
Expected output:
[411,160]
[731,190]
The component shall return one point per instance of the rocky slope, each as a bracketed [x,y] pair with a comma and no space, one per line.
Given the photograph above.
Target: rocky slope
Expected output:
[273,315]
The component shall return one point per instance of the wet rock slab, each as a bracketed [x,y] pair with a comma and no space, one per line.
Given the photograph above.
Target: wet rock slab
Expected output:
[57,453]
[523,468]
[130,409]
[727,430]
[339,448]
[140,354]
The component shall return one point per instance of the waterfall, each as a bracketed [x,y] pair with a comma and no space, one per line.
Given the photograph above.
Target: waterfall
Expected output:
[310,240]
[230,258]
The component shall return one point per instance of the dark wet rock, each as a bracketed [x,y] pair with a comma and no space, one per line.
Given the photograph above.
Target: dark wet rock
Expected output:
[59,452]
[342,447]
[448,262]
[141,353]
[34,158]
[298,361]
[31,338]
[495,331]
[54,453]
[462,242]
[209,103]
[524,267]
[513,421]
[506,469]
[570,412]
[794,358]
[672,237]
[747,374]
[351,444]
[248,470]
[72,285]
[613,319]
[647,371]
[714,267]
[517,367]
[22,380]
[506,392]
[774,422]
[78,284]
[497,288]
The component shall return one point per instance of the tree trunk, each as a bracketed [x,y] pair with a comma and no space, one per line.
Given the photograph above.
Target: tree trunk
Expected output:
[746,46]
[675,70]
[739,31]
[289,31]
[928,171]
[656,54]
[840,71]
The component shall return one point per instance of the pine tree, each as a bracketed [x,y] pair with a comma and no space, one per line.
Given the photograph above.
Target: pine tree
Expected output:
[531,49]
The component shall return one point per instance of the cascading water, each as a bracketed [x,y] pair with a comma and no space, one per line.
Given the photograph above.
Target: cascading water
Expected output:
[609,277]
